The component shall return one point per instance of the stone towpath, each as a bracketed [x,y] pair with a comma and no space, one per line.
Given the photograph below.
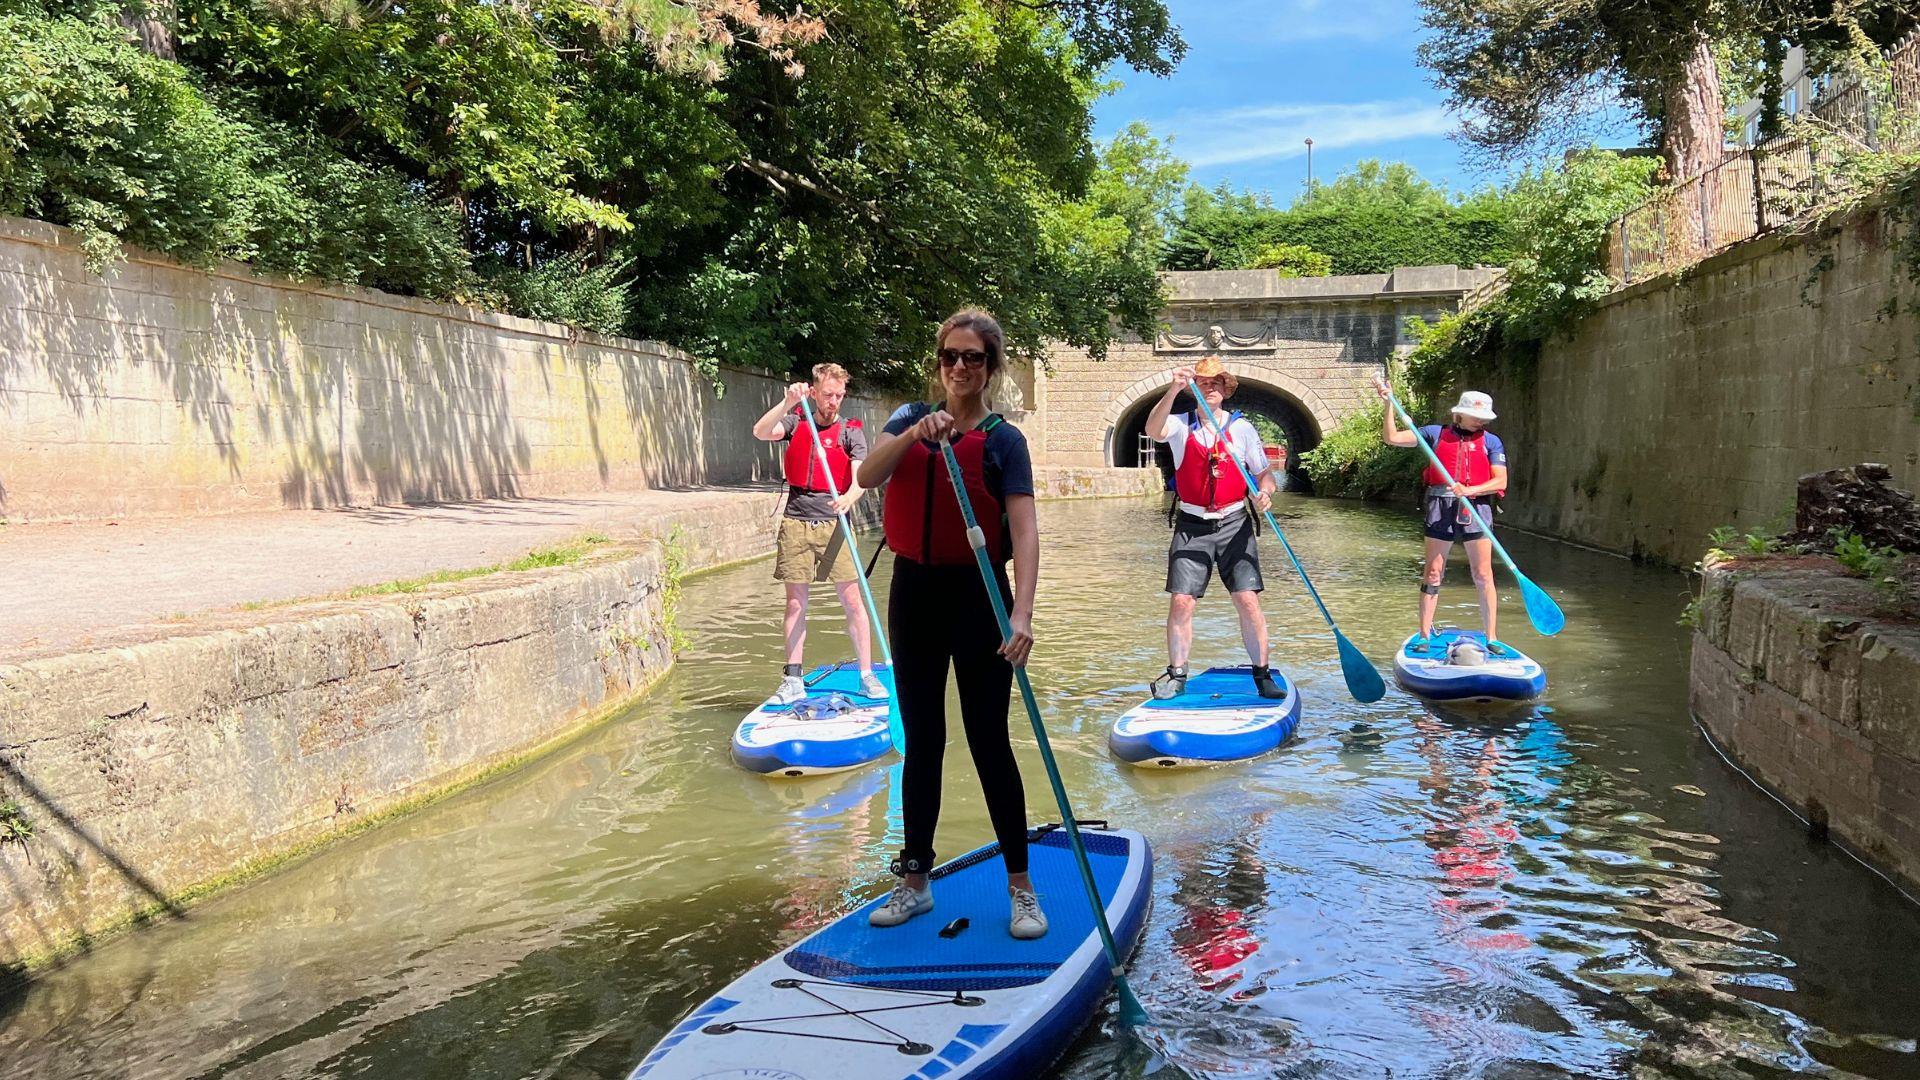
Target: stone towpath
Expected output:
[68,587]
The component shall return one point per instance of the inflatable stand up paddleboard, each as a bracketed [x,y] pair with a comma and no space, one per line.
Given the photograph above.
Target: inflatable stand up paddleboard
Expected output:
[1456,665]
[1221,718]
[948,994]
[834,727]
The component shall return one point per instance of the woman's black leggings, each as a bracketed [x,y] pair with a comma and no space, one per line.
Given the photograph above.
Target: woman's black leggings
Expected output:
[937,615]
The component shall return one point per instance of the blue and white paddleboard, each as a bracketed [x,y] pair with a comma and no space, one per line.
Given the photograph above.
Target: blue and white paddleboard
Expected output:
[835,727]
[1432,670]
[924,1000]
[1221,718]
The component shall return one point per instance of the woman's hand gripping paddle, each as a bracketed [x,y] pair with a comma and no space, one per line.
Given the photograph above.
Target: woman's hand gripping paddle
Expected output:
[895,730]
[1545,615]
[1131,1011]
[1363,679]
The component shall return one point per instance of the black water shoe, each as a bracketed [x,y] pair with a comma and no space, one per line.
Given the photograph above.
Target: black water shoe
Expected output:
[1171,684]
[1263,682]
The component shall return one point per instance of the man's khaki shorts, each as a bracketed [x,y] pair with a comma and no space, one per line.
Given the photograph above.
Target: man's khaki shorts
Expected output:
[808,551]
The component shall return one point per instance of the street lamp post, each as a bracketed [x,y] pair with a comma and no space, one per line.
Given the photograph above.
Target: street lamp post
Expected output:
[1309,167]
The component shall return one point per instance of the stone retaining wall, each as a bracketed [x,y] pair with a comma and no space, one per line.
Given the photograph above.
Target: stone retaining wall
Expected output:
[1817,698]
[1688,403]
[160,389]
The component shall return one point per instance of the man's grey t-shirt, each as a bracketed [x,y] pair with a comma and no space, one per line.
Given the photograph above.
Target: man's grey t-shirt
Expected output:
[818,505]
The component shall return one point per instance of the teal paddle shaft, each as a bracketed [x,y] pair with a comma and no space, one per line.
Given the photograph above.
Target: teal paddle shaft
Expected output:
[896,731]
[1363,679]
[1131,1011]
[1545,615]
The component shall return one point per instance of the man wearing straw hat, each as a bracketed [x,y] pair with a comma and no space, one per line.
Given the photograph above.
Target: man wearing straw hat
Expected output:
[1477,460]
[1212,529]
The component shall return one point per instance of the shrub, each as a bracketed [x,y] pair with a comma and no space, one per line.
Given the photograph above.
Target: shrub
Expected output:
[1293,261]
[1354,461]
[121,146]
[569,290]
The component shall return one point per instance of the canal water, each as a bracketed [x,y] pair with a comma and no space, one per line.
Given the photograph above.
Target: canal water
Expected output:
[1581,889]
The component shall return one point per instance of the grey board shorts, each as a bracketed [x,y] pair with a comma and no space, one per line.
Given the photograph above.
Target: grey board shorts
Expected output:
[1200,545]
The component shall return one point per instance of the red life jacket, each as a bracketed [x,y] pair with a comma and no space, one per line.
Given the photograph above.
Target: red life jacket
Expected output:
[1207,476]
[920,514]
[1466,458]
[803,465]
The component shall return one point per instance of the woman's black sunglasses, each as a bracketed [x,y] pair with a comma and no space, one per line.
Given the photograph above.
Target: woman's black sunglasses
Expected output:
[970,357]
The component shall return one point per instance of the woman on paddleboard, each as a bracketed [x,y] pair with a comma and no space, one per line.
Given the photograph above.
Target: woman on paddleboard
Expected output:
[1478,463]
[938,612]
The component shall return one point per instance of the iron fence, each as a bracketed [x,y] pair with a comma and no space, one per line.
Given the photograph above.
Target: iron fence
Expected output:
[1762,188]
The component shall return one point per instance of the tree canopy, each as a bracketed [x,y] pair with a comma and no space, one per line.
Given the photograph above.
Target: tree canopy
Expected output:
[757,183]
[1534,75]
[1370,219]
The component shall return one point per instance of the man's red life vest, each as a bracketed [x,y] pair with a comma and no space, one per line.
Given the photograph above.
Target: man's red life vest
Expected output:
[1207,476]
[920,514]
[1466,458]
[803,465]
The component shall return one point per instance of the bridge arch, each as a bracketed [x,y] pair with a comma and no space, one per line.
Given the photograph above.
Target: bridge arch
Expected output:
[1297,411]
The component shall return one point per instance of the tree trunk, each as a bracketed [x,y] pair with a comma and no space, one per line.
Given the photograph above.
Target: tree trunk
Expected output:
[1693,139]
[1693,129]
[150,23]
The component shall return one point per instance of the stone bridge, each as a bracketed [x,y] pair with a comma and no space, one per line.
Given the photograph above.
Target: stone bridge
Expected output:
[1302,347]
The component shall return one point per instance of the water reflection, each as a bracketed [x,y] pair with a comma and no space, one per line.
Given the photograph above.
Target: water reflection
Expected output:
[1541,892]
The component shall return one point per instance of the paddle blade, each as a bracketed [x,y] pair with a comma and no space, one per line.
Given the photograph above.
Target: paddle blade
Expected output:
[1132,1013]
[1546,615]
[1363,679]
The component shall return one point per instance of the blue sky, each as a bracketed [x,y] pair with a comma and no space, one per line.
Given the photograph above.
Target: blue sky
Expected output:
[1262,75]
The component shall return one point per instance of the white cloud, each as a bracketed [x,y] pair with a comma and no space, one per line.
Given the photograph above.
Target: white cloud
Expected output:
[1277,132]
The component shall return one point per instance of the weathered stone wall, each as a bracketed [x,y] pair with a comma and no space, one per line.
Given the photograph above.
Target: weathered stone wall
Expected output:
[1307,344]
[1683,405]
[1066,482]
[1817,699]
[159,389]
[151,770]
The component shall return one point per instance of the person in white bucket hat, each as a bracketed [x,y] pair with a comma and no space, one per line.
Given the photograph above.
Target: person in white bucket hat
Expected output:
[1477,461]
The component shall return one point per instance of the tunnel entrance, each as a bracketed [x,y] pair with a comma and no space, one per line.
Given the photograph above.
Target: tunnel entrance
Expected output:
[1280,419]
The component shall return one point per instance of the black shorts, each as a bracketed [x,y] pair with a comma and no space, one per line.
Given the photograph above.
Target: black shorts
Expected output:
[1200,545]
[1444,519]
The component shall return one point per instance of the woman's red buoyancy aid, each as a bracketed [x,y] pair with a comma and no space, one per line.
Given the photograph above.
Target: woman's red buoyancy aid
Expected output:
[920,514]
[1465,458]
[802,465]
[1207,476]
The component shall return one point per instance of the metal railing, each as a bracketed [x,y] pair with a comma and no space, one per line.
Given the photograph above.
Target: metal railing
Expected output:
[1759,189]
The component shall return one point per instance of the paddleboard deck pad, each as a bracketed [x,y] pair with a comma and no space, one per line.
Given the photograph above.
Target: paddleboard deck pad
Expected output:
[1220,718]
[834,727]
[1426,670]
[923,1000]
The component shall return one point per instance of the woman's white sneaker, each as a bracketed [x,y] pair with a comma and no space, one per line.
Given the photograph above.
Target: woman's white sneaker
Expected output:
[791,690]
[903,903]
[872,687]
[1028,920]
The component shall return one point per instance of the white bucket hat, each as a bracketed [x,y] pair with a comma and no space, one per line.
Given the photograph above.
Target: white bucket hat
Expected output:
[1475,404]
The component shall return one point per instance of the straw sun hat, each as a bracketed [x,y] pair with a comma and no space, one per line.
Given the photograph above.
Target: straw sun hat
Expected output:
[1212,367]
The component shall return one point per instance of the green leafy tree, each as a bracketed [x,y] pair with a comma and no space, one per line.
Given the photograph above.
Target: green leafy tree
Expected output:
[1293,260]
